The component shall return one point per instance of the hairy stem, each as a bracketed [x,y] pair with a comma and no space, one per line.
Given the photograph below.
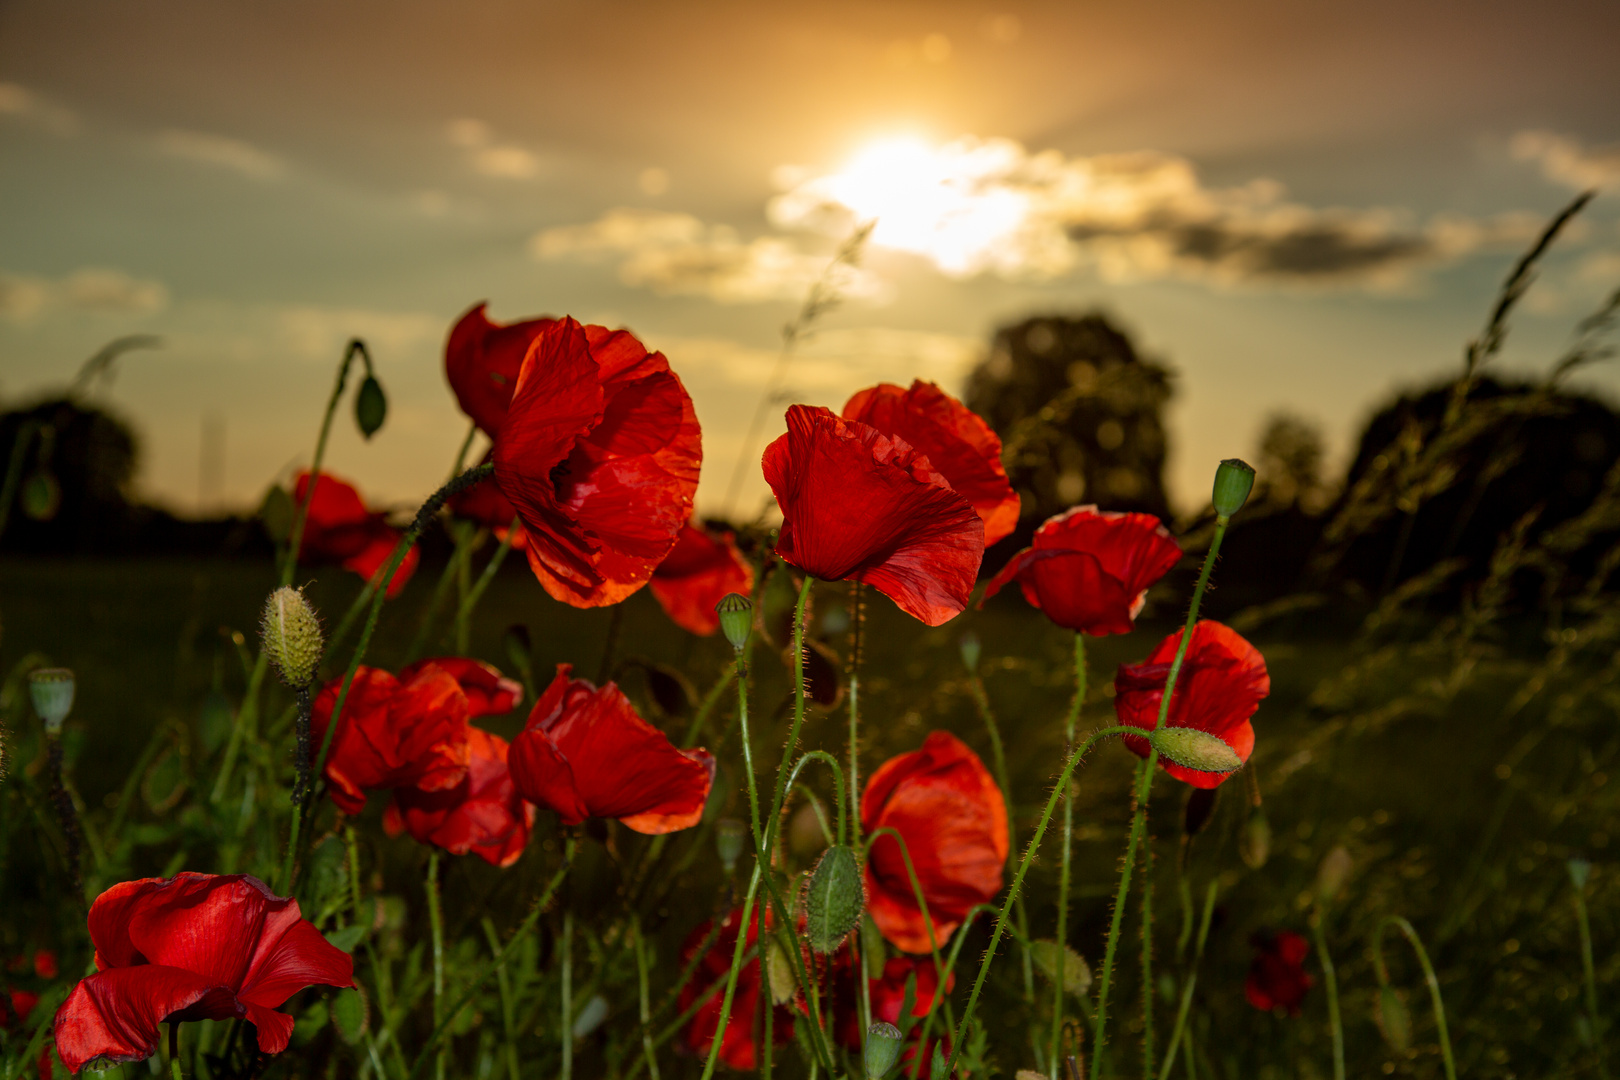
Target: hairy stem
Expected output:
[1066,855]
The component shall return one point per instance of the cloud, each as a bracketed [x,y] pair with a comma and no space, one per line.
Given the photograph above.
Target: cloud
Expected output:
[222,152]
[830,365]
[26,105]
[1564,160]
[24,297]
[979,206]
[320,333]
[491,158]
[677,254]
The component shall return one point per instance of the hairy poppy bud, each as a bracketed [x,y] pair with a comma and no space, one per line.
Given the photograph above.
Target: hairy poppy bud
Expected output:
[1233,481]
[1394,1021]
[779,974]
[1333,873]
[970,651]
[52,691]
[370,406]
[1255,844]
[882,1049]
[834,899]
[292,636]
[1194,749]
[729,837]
[1076,973]
[736,613]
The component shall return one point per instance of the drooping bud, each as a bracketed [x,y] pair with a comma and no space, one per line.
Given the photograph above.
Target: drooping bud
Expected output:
[1333,873]
[1194,749]
[729,837]
[970,651]
[52,691]
[1076,972]
[736,613]
[834,899]
[1394,1020]
[882,1049]
[370,406]
[1234,479]
[1254,846]
[41,495]
[291,632]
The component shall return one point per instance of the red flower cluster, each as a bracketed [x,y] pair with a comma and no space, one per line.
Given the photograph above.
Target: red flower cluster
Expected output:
[482,360]
[739,1044]
[483,814]
[586,753]
[339,528]
[945,804]
[1089,570]
[702,567]
[1220,686]
[192,947]
[1277,978]
[858,505]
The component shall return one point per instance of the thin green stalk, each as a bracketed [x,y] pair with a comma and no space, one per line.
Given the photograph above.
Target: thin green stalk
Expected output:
[441,589]
[508,1006]
[706,706]
[767,1004]
[295,538]
[736,967]
[1148,1052]
[1330,979]
[1587,967]
[1018,881]
[476,593]
[436,925]
[1429,978]
[798,704]
[646,1011]
[1187,990]
[346,624]
[247,719]
[748,752]
[1058,979]
[567,995]
[14,468]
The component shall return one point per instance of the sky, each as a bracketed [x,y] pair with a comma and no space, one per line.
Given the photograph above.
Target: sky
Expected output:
[1295,207]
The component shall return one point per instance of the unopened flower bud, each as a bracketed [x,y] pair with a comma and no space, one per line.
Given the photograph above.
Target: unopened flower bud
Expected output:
[1194,749]
[779,975]
[970,651]
[736,613]
[882,1049]
[41,495]
[834,899]
[729,837]
[1394,1020]
[1233,481]
[370,406]
[1579,871]
[1333,873]
[292,636]
[52,691]
[1255,844]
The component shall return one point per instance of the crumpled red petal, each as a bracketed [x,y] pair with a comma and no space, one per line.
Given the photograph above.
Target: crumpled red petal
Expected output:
[857,505]
[1222,681]
[489,693]
[393,734]
[946,805]
[481,363]
[599,454]
[114,1016]
[483,814]
[956,439]
[585,753]
[701,569]
[338,528]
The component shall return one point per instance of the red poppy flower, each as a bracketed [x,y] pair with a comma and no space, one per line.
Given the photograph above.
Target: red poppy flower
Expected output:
[1220,686]
[599,454]
[1089,570]
[945,804]
[956,439]
[483,814]
[192,947]
[858,505]
[699,570]
[484,503]
[585,753]
[340,529]
[1277,978]
[482,360]
[739,1045]
[393,733]
[489,693]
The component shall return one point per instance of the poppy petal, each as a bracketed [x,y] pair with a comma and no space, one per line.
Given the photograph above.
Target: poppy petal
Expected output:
[483,814]
[114,1016]
[700,570]
[489,693]
[481,363]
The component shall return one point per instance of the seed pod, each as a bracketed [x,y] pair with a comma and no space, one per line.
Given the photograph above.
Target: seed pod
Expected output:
[970,651]
[292,636]
[736,613]
[729,837]
[882,1049]
[1579,871]
[52,691]
[1233,480]
[1333,873]
[41,495]
[834,899]
[1194,749]
[1394,1021]
[370,406]
[1255,844]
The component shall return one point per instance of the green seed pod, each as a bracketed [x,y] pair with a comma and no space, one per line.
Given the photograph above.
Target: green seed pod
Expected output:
[1194,749]
[1233,481]
[1333,873]
[736,613]
[730,835]
[1394,1021]
[1255,844]
[834,899]
[882,1049]
[52,691]
[1579,871]
[41,495]
[970,651]
[292,636]
[370,406]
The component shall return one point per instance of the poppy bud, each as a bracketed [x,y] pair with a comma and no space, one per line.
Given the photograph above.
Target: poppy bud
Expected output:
[350,1014]
[1579,871]
[882,1049]
[970,651]
[834,899]
[779,974]
[370,406]
[1076,973]
[41,495]
[729,837]
[1394,1021]
[1194,749]
[1333,873]
[736,613]
[292,636]
[52,691]
[1255,844]
[1233,481]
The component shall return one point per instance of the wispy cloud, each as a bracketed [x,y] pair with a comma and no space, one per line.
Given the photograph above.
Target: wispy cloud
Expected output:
[222,151]
[491,157]
[678,254]
[979,206]
[24,297]
[1566,160]
[30,107]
